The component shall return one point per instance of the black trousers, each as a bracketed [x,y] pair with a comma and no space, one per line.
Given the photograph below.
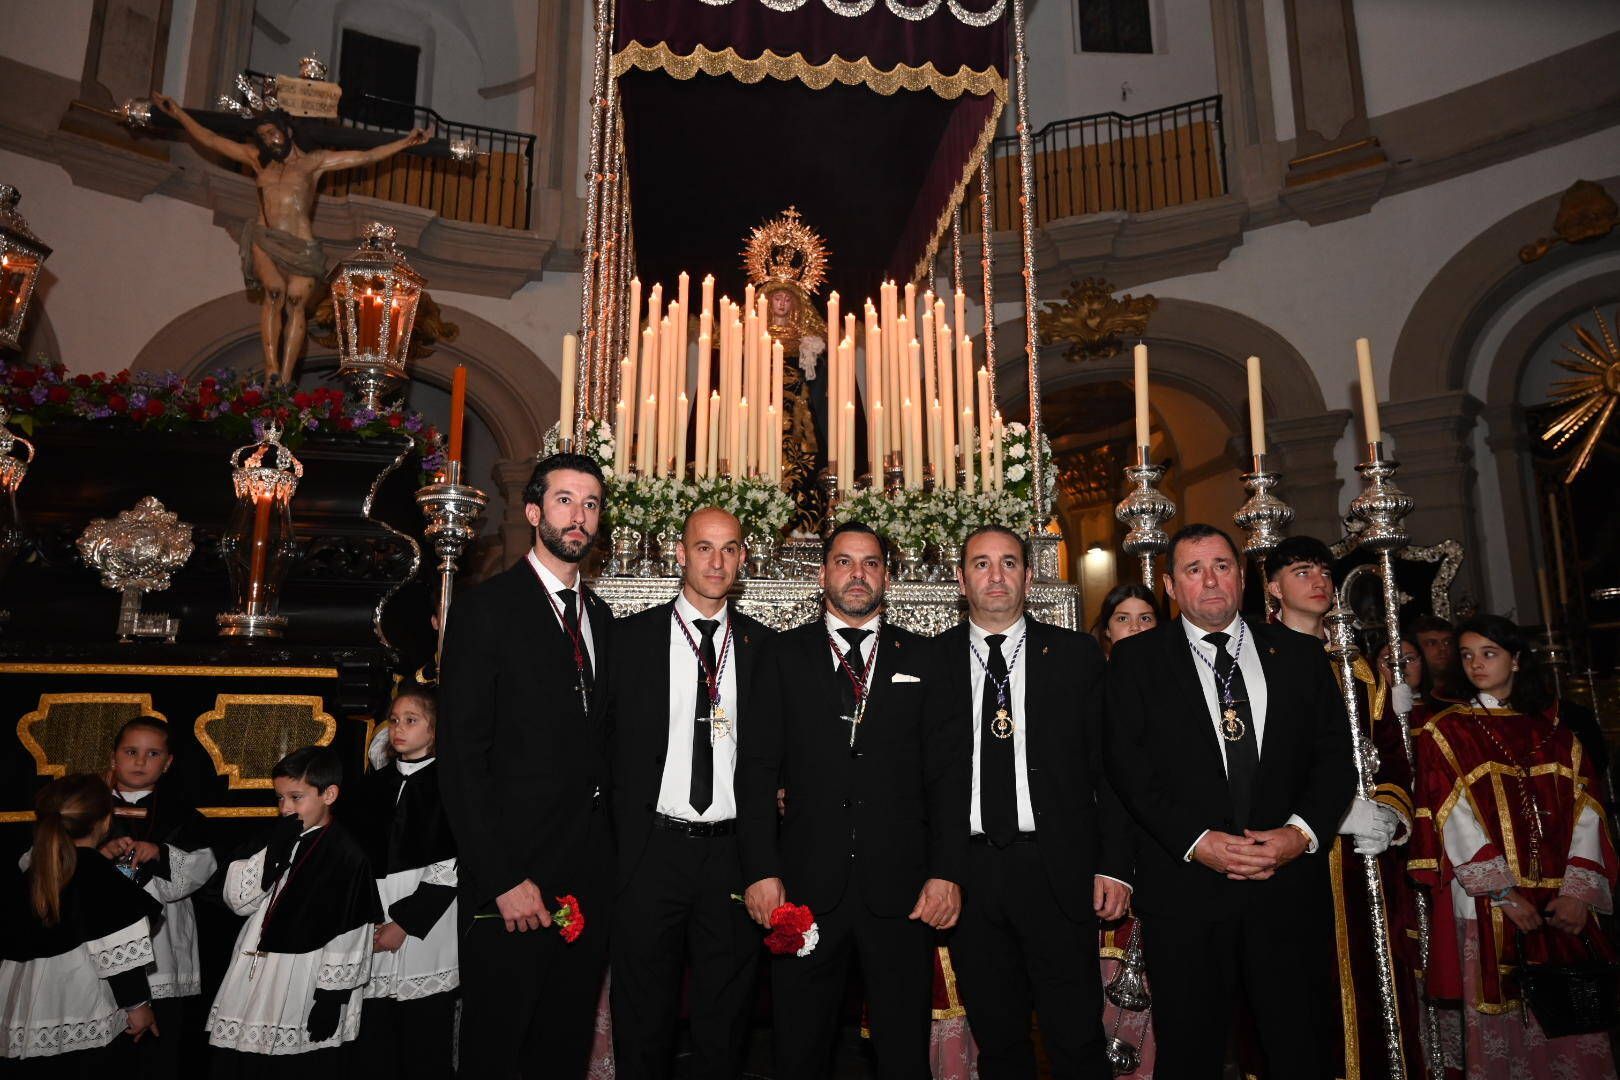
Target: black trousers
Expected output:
[1269,953]
[897,967]
[1016,952]
[528,999]
[677,911]
[409,1038]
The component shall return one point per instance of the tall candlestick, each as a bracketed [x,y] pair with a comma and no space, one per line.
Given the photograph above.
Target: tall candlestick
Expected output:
[832,332]
[936,443]
[959,327]
[1142,426]
[948,415]
[909,455]
[1369,391]
[635,321]
[711,466]
[570,372]
[910,311]
[700,452]
[644,437]
[832,377]
[666,395]
[846,474]
[772,447]
[985,473]
[708,295]
[875,450]
[930,388]
[621,419]
[458,410]
[1257,410]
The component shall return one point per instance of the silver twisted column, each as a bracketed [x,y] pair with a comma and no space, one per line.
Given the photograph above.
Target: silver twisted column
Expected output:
[1144,510]
[1341,645]
[986,267]
[1382,508]
[1264,517]
[1026,209]
[452,510]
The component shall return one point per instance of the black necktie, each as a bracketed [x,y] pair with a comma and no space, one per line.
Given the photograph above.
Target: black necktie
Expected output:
[998,786]
[857,667]
[1242,754]
[702,743]
[571,620]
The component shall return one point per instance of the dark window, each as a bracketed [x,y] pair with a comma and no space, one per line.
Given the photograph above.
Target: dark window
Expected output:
[373,67]
[1115,26]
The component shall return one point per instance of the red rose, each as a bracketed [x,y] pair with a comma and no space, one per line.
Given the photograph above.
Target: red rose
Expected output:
[250,398]
[154,407]
[395,420]
[302,400]
[56,395]
[81,380]
[23,378]
[117,402]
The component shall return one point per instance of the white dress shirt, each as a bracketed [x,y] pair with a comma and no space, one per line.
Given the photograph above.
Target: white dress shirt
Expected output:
[675,789]
[868,644]
[554,585]
[1015,702]
[1254,681]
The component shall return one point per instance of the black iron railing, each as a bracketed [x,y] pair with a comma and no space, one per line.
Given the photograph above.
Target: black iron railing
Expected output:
[492,188]
[1111,162]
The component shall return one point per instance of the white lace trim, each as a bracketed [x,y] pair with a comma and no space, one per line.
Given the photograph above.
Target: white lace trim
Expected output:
[412,987]
[123,951]
[243,890]
[1486,875]
[49,1040]
[344,976]
[276,1039]
[1588,886]
[168,985]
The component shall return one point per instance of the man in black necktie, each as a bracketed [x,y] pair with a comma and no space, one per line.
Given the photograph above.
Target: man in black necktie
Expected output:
[523,760]
[853,721]
[1228,744]
[679,714]
[1049,853]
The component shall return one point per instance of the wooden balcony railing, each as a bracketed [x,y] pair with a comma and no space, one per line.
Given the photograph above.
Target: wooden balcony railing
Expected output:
[1110,162]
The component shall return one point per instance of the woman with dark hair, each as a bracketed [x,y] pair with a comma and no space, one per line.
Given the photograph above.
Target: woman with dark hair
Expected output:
[1510,841]
[1127,609]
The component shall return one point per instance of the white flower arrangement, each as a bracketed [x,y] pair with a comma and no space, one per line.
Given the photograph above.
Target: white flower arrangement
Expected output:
[1017,452]
[597,444]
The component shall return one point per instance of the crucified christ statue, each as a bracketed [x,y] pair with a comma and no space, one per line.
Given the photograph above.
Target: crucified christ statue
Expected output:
[280,254]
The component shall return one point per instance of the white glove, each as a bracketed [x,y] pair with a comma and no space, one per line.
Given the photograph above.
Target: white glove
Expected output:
[1373,825]
[1401,698]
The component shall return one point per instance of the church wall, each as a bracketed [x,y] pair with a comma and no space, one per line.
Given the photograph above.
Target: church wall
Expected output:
[1415,52]
[48,34]
[1066,82]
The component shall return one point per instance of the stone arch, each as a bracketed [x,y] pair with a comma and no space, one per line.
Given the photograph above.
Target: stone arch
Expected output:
[1202,349]
[1432,413]
[511,390]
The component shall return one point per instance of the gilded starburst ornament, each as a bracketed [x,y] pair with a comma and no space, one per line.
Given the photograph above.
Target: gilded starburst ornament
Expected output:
[1590,398]
[786,249]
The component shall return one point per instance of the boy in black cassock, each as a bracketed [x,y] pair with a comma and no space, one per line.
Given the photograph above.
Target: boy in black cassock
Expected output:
[77,939]
[408,1023]
[156,840]
[295,975]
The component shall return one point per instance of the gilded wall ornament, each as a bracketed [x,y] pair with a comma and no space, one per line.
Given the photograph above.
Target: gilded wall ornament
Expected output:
[1093,320]
[1586,212]
[1589,400]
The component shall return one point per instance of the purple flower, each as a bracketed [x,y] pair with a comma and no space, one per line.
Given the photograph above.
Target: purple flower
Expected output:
[413,422]
[432,463]
[312,424]
[363,416]
[137,400]
[38,394]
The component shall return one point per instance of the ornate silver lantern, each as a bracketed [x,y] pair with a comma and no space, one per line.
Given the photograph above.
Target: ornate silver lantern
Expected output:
[374,297]
[21,257]
[136,553]
[259,542]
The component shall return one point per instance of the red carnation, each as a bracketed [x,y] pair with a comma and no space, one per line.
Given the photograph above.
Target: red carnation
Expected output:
[81,380]
[23,378]
[793,931]
[395,420]
[250,398]
[56,395]
[302,400]
[569,918]
[117,402]
[154,407]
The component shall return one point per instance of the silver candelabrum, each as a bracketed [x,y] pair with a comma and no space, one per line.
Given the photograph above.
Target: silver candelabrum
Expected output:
[452,510]
[1144,510]
[1264,517]
[1381,508]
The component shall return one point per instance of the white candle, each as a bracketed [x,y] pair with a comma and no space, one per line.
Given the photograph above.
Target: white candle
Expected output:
[846,476]
[635,318]
[570,371]
[681,420]
[708,294]
[712,465]
[1369,391]
[644,446]
[960,326]
[948,417]
[1142,425]
[743,464]
[909,458]
[967,449]
[700,448]
[995,449]
[772,448]
[621,419]
[1257,410]
[984,430]
[619,440]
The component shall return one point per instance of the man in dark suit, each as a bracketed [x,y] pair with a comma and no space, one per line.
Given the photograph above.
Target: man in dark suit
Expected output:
[679,712]
[523,756]
[1228,744]
[1050,851]
[852,719]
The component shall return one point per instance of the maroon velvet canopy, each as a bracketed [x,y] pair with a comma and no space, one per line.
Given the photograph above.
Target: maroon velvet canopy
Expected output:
[868,116]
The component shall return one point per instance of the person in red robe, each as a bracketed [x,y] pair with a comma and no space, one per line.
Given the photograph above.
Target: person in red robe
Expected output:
[1511,842]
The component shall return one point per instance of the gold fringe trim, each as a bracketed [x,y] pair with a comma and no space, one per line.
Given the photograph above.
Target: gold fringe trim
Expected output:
[860,72]
[969,172]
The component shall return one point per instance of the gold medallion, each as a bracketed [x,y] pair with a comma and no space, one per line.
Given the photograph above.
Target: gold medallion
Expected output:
[1231,726]
[717,713]
[1002,726]
[719,727]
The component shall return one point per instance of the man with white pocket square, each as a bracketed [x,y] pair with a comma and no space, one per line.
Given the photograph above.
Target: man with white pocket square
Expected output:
[852,718]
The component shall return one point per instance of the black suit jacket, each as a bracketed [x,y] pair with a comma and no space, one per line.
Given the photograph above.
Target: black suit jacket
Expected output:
[897,802]
[1165,760]
[638,708]
[1080,825]
[519,763]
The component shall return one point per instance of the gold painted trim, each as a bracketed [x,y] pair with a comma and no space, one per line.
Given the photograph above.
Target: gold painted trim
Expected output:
[1347,979]
[1422,864]
[224,672]
[19,817]
[25,725]
[860,72]
[1334,151]
[233,773]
